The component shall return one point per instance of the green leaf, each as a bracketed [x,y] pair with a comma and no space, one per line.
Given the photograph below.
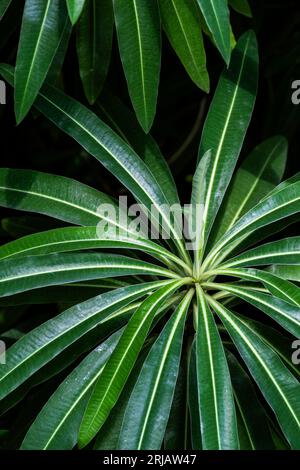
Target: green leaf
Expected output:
[4,4]
[217,411]
[32,272]
[56,426]
[224,131]
[94,43]
[279,387]
[261,171]
[75,8]
[138,31]
[99,140]
[286,251]
[45,342]
[114,376]
[216,15]
[286,314]
[278,205]
[277,286]
[150,402]
[287,272]
[124,122]
[241,6]
[180,19]
[251,411]
[43,25]
[81,238]
[193,400]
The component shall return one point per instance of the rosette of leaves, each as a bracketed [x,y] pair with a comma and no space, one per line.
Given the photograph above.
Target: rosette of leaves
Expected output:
[176,349]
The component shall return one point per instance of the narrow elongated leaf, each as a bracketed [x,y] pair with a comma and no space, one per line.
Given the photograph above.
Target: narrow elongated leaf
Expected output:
[193,400]
[45,342]
[277,286]
[150,403]
[278,385]
[257,176]
[32,272]
[217,411]
[241,6]
[94,43]
[4,4]
[278,342]
[216,15]
[114,376]
[224,131]
[99,140]
[124,122]
[286,251]
[286,314]
[181,23]
[75,8]
[287,272]
[80,238]
[42,27]
[56,196]
[279,205]
[251,411]
[138,31]
[56,426]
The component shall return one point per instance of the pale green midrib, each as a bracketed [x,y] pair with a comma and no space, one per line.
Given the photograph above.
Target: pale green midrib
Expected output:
[247,295]
[141,60]
[244,419]
[161,367]
[254,185]
[211,364]
[19,364]
[99,266]
[153,306]
[259,360]
[231,236]
[208,197]
[37,44]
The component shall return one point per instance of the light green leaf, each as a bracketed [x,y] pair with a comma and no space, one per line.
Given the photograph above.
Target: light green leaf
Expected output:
[117,369]
[180,19]
[138,31]
[216,15]
[43,25]
[4,4]
[94,43]
[75,8]
[217,411]
[279,387]
[150,403]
